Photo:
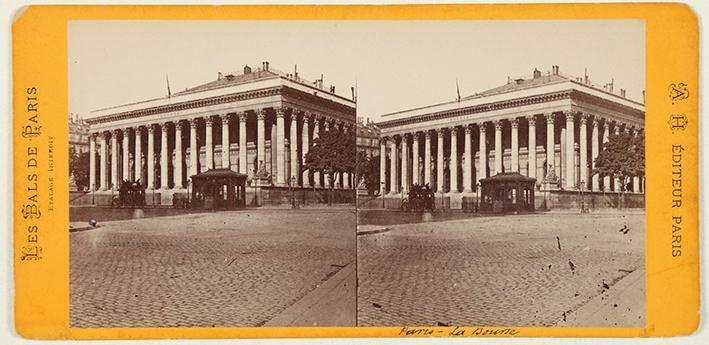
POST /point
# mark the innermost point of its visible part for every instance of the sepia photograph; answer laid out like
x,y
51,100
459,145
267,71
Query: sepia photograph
x,y
212,174
503,174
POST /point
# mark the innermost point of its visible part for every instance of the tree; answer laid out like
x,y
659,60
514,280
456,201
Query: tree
x,y
333,152
368,171
622,157
79,168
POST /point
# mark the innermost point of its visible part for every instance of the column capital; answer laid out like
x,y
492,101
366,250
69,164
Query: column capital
x,y
439,131
261,114
209,120
428,134
482,127
550,118
242,116
498,124
126,131
582,118
117,131
280,111
532,119
468,129
569,115
94,135
225,118
164,127
514,122
193,122
383,140
453,130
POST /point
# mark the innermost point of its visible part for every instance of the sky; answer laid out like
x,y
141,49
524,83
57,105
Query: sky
x,y
395,65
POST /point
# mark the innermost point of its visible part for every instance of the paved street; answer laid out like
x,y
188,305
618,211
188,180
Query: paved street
x,y
225,269
506,271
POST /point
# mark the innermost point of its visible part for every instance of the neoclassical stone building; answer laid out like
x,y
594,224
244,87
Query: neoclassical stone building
x,y
548,126
257,119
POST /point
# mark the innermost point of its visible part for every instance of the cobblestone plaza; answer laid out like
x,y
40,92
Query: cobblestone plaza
x,y
224,269
507,271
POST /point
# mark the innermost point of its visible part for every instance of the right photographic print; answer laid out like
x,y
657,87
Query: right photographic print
x,y
501,174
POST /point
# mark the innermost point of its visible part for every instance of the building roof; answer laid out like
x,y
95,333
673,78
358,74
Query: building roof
x,y
230,79
220,172
521,84
508,177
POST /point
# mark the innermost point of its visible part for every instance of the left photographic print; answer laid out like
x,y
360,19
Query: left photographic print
x,y
212,174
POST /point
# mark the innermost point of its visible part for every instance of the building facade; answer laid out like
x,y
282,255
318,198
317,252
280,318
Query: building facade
x,y
367,137
257,120
78,134
550,127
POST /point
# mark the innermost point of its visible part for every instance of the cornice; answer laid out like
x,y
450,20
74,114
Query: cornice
x,y
221,99
513,103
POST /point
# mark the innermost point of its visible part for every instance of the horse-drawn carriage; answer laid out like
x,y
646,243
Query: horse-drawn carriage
x,y
130,194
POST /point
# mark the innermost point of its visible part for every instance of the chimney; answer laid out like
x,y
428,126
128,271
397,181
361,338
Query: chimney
x,y
643,96
622,93
519,81
354,98
509,80
555,69
537,74
265,66
219,75
247,69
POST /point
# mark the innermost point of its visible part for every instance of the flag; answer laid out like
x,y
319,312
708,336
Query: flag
x,y
457,88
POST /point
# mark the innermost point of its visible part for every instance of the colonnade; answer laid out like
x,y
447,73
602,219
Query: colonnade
x,y
187,147
561,152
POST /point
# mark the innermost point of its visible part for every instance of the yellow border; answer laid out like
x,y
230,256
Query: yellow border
x,y
40,60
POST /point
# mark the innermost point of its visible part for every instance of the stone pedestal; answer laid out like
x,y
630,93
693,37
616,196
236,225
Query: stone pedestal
x,y
257,183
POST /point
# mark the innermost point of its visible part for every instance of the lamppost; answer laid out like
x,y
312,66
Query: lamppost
x,y
580,187
382,192
291,183
477,197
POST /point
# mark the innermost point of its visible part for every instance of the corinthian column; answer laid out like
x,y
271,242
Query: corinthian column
x,y
209,145
427,159
280,147
293,146
439,161
305,145
483,152
225,141
404,163
393,161
382,165
498,146
532,147
606,134
164,184
260,138
151,157
138,157
616,181
515,144
583,154
594,153
126,154
453,165
114,159
92,162
242,144
468,164
103,161
415,171
177,166
570,151
636,179
550,143
316,134
194,151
